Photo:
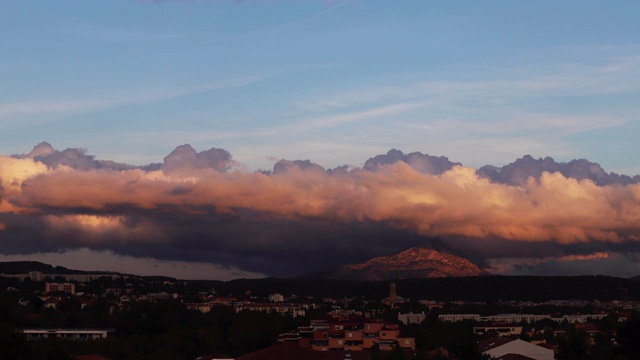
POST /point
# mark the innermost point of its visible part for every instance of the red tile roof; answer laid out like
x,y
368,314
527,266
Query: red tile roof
x,y
513,357
488,344
293,351
91,357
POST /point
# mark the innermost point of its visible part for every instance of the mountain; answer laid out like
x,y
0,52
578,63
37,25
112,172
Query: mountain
x,y
416,262
24,267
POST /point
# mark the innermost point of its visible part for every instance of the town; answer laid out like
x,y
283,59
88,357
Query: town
x,y
78,315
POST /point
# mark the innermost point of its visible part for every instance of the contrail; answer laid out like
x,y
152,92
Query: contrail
x,y
304,20
332,8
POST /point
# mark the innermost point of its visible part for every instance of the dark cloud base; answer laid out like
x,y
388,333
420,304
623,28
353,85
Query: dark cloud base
x,y
265,226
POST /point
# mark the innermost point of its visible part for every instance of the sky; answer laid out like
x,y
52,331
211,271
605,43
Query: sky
x,y
250,83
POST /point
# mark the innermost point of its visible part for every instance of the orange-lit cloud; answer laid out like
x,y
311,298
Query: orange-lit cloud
x,y
118,208
598,255
457,202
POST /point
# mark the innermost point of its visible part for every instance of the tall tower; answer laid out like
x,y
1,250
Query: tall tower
x,y
393,295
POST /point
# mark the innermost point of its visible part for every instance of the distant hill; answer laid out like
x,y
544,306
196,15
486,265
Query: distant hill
x,y
416,262
24,267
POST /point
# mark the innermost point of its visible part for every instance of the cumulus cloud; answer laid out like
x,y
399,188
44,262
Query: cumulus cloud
x,y
198,206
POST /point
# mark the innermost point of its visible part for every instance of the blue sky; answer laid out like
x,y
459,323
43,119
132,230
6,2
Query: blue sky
x,y
332,81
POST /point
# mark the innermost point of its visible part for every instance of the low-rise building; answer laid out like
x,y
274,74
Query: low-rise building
x,y
276,298
202,307
68,334
458,317
411,318
274,308
518,318
349,334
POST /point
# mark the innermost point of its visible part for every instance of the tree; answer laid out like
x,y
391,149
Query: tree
x,y
574,346
376,354
12,344
396,353
629,336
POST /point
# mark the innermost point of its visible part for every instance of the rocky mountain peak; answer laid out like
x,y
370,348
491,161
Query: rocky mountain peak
x,y
416,262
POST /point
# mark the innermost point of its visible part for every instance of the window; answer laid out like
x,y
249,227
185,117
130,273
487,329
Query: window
x,y
350,334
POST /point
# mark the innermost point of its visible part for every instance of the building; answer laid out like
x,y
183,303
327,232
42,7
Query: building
x,y
276,298
215,356
90,357
202,307
393,296
63,287
518,318
502,330
273,308
292,351
67,334
224,300
514,318
581,319
51,303
349,334
411,318
502,347
458,317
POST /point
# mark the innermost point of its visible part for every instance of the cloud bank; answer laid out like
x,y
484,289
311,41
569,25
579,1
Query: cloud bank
x,y
299,217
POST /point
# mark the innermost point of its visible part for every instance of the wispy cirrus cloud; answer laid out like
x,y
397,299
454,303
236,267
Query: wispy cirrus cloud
x,y
88,104
616,75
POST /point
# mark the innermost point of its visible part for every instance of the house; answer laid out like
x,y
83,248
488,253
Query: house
x,y
51,303
501,347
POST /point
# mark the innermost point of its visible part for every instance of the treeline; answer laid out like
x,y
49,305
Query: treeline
x,y
483,288
143,330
